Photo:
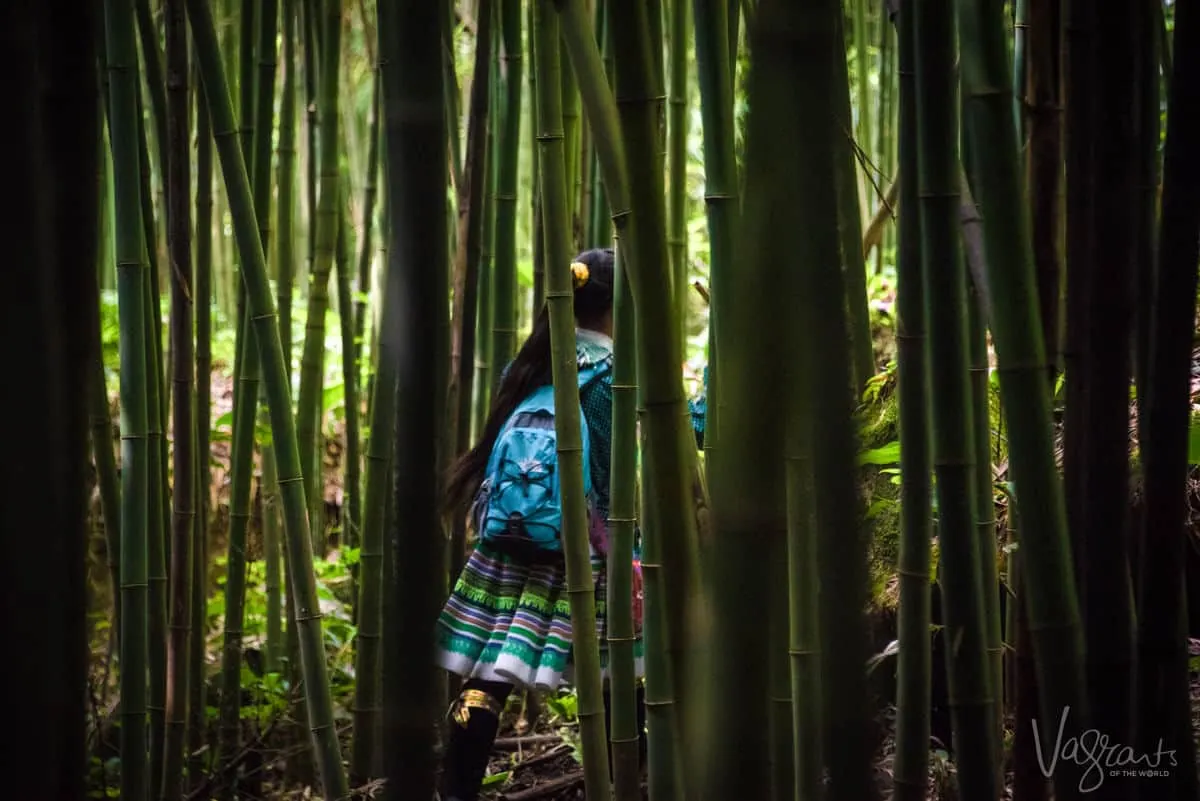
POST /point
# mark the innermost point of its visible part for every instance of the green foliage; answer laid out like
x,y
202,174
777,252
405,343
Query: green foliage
x,y
270,691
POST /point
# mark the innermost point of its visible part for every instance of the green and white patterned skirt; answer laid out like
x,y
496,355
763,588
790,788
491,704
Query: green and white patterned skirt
x,y
511,622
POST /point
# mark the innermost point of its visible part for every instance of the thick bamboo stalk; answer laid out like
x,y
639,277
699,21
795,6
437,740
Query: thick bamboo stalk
x,y
622,517
559,302
179,238
721,201
1107,598
911,767
841,537
352,508
953,453
1046,569
135,456
669,440
299,546
52,235
750,517
417,286
1162,645
368,707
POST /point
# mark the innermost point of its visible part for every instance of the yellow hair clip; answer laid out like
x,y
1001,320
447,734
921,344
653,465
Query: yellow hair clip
x,y
580,272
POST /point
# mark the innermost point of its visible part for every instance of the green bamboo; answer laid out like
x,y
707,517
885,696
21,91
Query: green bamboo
x,y
862,92
135,455
571,137
677,130
264,116
197,707
622,518
370,194
156,531
152,71
1162,646
670,449
850,223
368,708
100,416
316,683
472,210
953,452
913,692
751,516
179,240
417,274
481,387
567,422
804,644
352,508
1020,64
285,265
508,149
841,537
472,213
1054,620
312,360
600,226
242,463
985,511
669,439
721,200
539,244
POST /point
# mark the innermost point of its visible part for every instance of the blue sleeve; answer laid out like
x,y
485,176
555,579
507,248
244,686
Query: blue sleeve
x,y
698,406
596,400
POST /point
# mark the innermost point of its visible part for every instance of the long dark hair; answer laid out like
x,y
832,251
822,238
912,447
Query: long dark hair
x,y
528,371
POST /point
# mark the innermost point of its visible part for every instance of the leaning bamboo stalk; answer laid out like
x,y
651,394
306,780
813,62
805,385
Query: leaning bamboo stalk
x,y
299,546
668,437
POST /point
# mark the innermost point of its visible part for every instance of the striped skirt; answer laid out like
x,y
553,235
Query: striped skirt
x,y
511,622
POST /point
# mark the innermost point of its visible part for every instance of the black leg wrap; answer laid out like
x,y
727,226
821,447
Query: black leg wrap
x,y
474,720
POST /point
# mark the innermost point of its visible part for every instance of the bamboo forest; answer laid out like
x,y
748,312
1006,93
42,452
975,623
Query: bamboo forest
x,y
877,465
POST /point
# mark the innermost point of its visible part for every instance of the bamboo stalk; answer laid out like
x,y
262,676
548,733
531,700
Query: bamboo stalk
x,y
184,508
913,691
580,590
308,614
135,456
1046,568
417,286
623,734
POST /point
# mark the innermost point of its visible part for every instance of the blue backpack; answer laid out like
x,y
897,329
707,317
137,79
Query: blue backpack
x,y
520,502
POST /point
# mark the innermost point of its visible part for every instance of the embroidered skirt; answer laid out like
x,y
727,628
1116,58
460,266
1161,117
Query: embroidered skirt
x,y
510,621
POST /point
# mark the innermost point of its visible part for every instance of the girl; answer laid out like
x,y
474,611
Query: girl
x,y
507,623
